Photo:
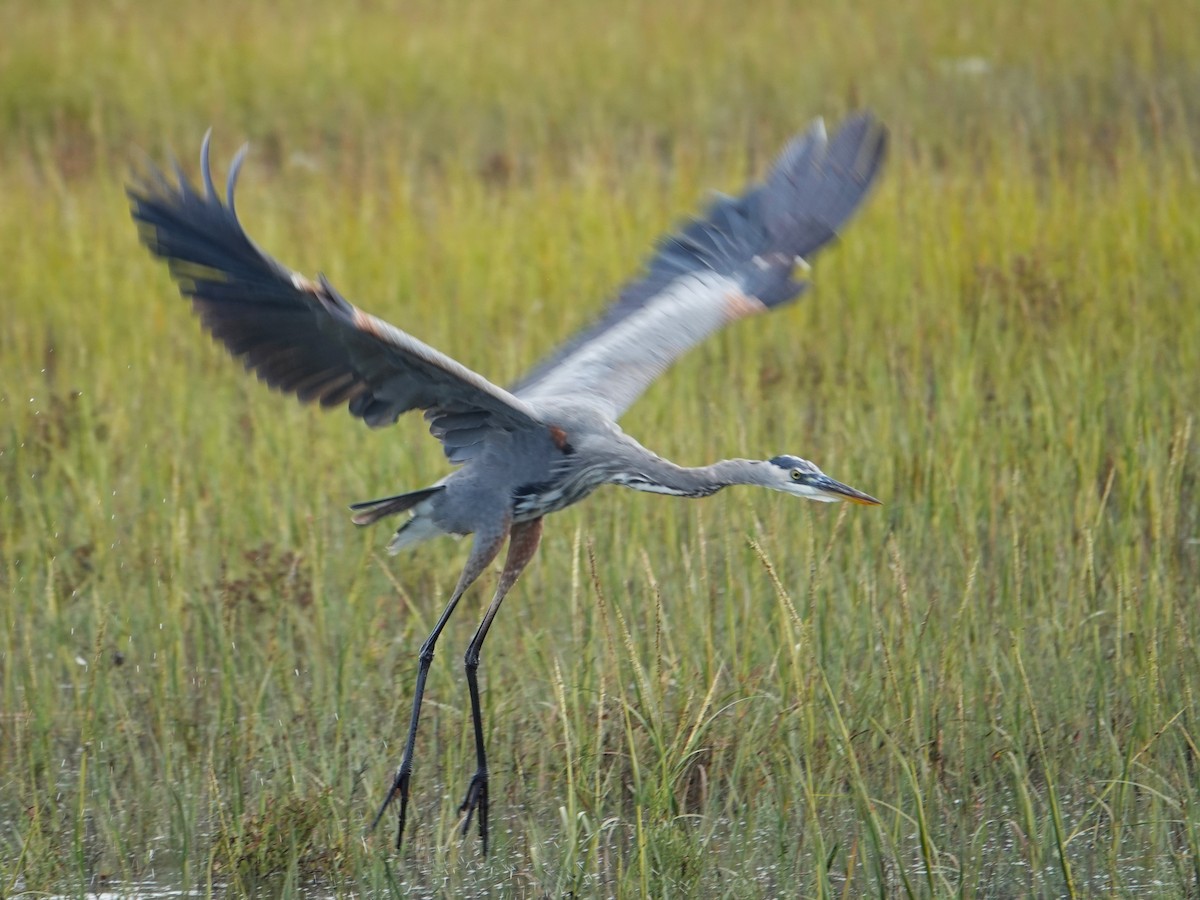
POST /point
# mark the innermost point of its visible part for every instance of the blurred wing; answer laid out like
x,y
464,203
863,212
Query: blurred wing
x,y
737,260
301,336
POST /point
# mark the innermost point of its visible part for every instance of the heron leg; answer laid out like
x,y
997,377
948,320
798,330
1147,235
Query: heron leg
x,y
483,551
523,543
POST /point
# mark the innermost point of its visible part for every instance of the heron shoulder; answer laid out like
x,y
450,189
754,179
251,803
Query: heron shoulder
x,y
576,414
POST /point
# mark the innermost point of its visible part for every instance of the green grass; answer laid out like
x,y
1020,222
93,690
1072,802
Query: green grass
x,y
985,688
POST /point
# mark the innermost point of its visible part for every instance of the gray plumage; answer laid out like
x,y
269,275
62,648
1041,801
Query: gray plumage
x,y
552,438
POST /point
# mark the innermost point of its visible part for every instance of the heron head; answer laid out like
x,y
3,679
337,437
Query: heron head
x,y
794,475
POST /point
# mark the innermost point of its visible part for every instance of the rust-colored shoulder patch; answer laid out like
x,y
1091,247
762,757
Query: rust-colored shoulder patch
x,y
300,283
560,440
366,323
739,305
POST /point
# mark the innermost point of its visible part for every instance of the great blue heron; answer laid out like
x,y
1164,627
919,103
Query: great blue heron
x,y
552,438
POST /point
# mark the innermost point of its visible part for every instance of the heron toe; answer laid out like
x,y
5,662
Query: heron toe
x,y
477,799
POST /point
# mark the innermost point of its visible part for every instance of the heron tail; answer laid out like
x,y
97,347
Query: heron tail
x,y
371,511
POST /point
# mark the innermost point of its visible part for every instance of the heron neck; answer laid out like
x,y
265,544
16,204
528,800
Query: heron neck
x,y
656,475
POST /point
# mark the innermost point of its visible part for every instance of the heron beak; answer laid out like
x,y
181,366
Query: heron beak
x,y
835,490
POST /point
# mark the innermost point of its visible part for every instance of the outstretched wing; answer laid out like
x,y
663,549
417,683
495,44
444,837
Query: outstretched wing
x,y
737,260
302,337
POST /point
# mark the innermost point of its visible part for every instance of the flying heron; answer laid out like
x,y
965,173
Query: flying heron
x,y
552,438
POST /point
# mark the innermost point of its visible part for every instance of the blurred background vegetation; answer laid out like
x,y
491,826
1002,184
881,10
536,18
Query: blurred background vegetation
x,y
986,688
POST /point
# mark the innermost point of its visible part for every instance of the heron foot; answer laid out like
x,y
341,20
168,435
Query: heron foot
x,y
399,788
477,799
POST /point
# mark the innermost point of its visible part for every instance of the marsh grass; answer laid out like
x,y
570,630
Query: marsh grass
x,y
985,688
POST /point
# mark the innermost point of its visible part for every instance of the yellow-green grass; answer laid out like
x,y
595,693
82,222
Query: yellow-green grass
x,y
985,688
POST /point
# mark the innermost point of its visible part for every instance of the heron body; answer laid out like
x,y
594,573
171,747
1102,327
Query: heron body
x,y
552,438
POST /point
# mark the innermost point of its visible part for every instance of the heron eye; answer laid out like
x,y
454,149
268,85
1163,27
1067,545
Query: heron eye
x,y
797,475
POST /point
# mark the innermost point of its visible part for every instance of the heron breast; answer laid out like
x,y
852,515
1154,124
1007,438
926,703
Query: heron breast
x,y
534,500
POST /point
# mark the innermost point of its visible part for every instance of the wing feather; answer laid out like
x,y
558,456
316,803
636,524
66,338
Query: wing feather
x,y
737,260
300,336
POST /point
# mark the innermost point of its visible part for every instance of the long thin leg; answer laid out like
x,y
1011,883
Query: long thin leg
x,y
483,551
523,543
